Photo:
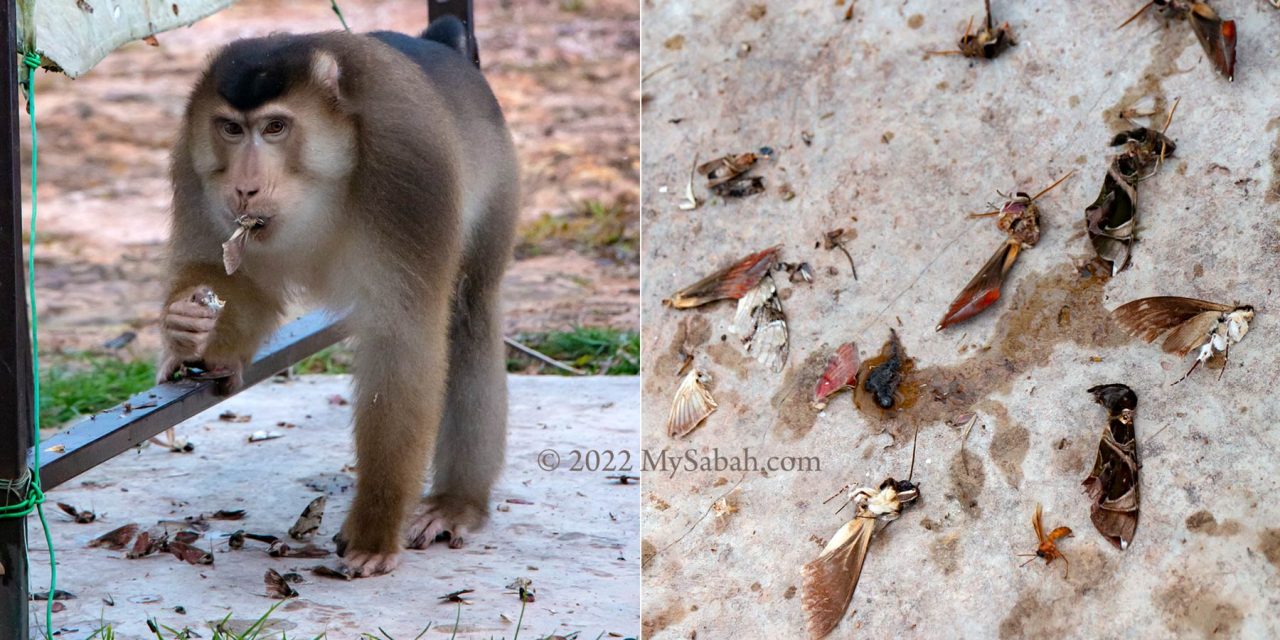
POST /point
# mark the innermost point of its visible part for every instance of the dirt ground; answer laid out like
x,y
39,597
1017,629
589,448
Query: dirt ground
x,y
565,74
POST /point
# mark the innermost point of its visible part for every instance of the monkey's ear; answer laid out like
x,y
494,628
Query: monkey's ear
x,y
326,73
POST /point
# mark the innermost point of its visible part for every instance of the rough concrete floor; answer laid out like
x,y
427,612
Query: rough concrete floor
x,y
575,534
902,147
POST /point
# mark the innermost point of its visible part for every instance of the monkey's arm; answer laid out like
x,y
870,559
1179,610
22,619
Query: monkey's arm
x,y
222,340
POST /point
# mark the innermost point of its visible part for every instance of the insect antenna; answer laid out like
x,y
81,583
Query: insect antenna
x,y
914,439
1166,128
1135,16
1051,187
1033,557
989,22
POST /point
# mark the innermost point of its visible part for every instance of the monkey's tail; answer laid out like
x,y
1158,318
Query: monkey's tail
x,y
450,32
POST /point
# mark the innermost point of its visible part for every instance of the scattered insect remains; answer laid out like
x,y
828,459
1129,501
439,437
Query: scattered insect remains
x,y
1112,220
987,43
1112,485
1020,221
1048,543
1191,324
841,373
830,580
1217,36
727,175
730,283
691,405
882,388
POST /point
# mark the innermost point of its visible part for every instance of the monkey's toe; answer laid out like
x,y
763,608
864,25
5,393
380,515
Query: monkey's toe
x,y
361,564
433,526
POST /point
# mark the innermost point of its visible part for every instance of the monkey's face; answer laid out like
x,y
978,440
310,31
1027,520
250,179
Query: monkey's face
x,y
287,162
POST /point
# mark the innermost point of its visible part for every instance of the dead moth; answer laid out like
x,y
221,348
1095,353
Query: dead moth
x,y
987,43
830,580
1048,549
1217,36
233,248
1190,323
116,539
762,325
692,404
841,372
1020,221
880,389
309,522
726,175
1112,485
80,517
277,586
1112,220
729,283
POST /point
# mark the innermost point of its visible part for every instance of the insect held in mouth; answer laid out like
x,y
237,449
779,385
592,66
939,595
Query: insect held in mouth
x,y
1217,36
1210,327
830,580
1020,220
986,43
1048,549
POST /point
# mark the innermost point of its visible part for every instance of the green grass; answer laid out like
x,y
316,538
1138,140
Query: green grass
x,y
610,231
595,350
334,359
85,384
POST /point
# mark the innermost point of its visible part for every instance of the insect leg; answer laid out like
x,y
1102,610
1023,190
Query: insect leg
x,y
1226,358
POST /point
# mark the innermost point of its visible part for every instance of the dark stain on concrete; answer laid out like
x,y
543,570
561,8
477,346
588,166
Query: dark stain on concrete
x,y
967,480
1192,609
1269,542
792,406
1203,522
1009,445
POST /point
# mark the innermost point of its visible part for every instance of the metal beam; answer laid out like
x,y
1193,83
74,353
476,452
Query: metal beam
x,y
102,436
15,342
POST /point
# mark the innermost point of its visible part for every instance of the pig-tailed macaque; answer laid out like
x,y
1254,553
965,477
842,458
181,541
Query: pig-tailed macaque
x,y
375,174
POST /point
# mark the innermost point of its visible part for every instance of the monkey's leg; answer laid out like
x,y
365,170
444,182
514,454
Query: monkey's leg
x,y
473,432
400,382
222,341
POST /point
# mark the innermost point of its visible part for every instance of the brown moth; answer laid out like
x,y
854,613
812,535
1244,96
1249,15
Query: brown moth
x,y
233,248
1217,36
1112,485
830,580
277,586
729,283
987,43
309,522
726,175
692,404
1020,221
1048,543
1112,220
1190,323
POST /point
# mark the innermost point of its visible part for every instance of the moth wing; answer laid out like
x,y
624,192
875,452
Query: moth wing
x,y
1191,334
841,371
1147,318
771,342
830,580
747,317
984,289
1036,523
1217,37
692,404
731,282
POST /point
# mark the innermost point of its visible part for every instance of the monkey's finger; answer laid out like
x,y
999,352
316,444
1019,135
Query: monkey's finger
x,y
187,344
169,365
192,309
189,323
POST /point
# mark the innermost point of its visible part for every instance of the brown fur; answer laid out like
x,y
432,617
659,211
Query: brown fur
x,y
411,241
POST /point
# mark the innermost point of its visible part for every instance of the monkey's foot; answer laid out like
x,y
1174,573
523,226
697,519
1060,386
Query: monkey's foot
x,y
360,564
443,519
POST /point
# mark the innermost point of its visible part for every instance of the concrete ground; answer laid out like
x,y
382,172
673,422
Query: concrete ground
x,y
871,135
574,534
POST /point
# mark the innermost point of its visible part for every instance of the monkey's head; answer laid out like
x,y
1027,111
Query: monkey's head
x,y
267,135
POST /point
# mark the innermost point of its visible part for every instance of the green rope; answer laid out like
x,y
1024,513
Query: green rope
x,y
28,486
334,4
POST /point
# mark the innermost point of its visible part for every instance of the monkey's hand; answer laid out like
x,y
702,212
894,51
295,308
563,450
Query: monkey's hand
x,y
187,325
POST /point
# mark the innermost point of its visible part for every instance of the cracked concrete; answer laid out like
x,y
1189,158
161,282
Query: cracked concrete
x,y
871,135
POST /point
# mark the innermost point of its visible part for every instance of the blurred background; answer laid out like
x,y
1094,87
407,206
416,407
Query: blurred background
x,y
565,72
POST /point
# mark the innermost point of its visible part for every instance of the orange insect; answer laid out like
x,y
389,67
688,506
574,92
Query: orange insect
x,y
1048,549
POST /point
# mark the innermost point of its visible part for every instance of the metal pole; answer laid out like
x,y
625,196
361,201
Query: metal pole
x,y
462,10
15,344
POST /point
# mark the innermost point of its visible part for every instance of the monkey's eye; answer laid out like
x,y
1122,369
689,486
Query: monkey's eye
x,y
274,127
232,129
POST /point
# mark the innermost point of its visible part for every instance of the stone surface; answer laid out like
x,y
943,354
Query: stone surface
x,y
902,147
574,534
